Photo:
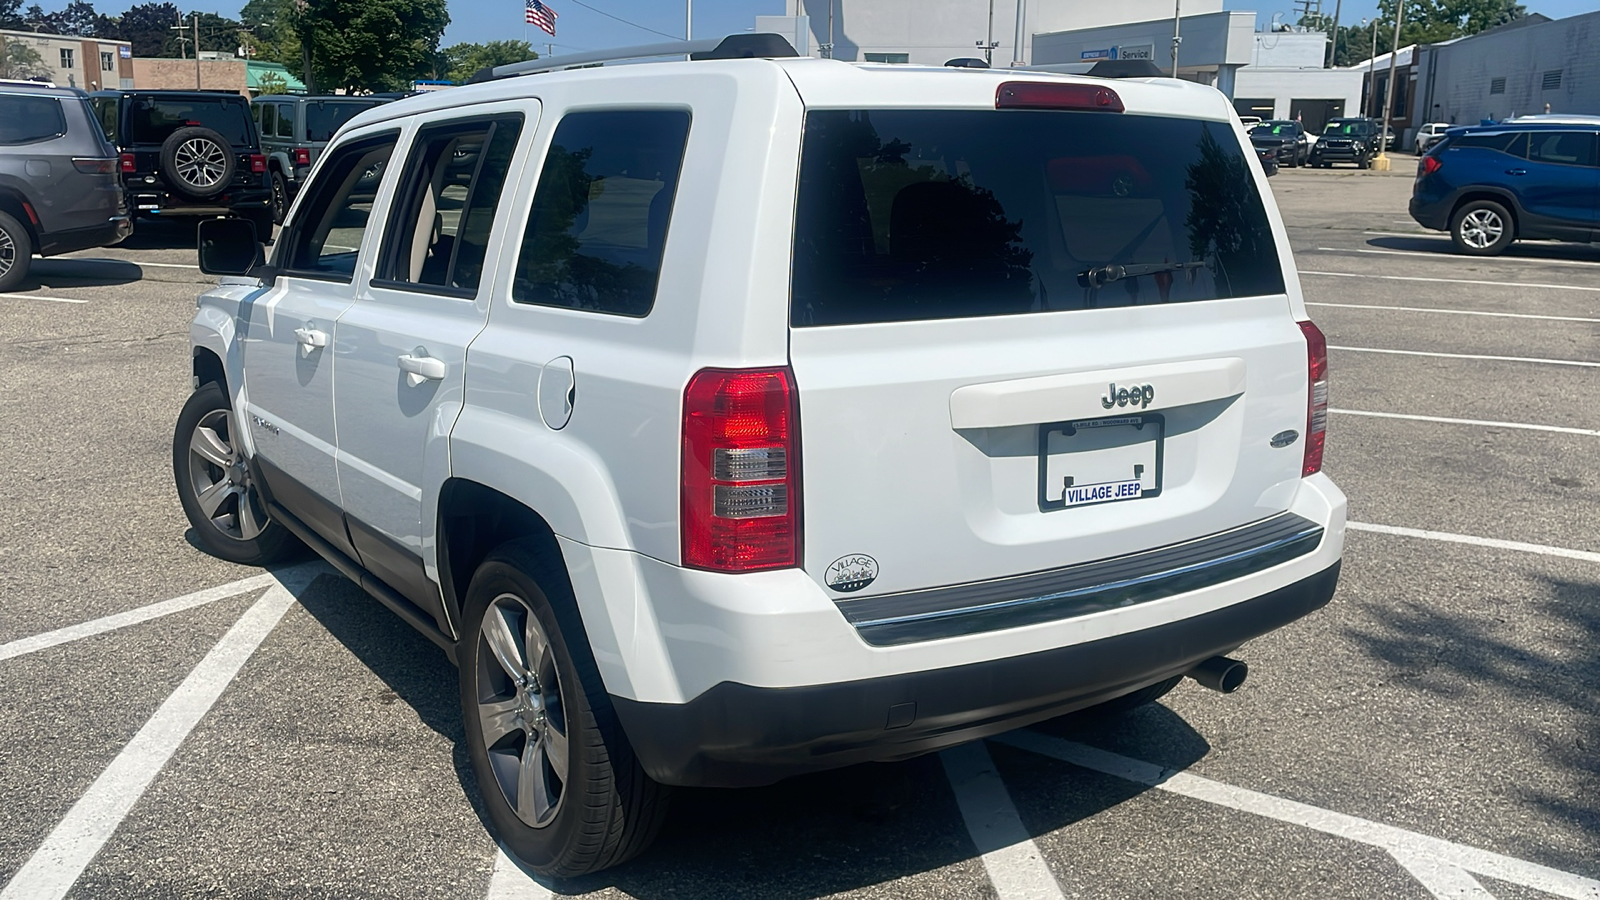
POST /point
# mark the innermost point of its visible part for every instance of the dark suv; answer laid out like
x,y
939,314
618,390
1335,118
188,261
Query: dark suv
x,y
188,153
1285,138
293,132
1346,140
58,179
1491,185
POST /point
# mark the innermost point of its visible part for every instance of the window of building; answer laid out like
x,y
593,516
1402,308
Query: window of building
x,y
1567,148
897,58
25,120
66,58
598,226
439,232
1497,85
108,62
326,235
1552,80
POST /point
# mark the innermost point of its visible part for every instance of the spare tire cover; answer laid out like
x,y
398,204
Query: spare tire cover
x,y
197,162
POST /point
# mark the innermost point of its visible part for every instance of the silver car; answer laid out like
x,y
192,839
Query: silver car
x,y
59,189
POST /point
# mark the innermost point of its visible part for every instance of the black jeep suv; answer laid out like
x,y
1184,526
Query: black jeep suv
x,y
188,153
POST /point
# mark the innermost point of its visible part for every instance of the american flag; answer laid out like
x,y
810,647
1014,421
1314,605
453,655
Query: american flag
x,y
542,16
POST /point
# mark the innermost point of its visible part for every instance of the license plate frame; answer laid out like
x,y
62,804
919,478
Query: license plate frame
x,y
1070,429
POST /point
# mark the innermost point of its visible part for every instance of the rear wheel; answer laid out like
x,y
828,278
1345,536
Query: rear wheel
x,y
280,197
1482,228
558,777
16,252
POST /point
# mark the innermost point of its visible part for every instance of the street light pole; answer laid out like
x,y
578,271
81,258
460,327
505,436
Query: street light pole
x,y
1372,75
1388,90
1020,38
1333,54
1177,38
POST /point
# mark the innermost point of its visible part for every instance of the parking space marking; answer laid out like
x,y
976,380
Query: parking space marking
x,y
1495,259
55,867
49,639
37,297
1397,841
1558,429
1475,541
1524,284
1442,881
1450,312
1016,868
509,882
1521,359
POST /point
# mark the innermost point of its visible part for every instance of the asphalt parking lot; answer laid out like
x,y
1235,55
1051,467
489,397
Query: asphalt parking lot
x,y
176,726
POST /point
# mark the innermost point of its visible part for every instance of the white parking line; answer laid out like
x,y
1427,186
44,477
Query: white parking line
x,y
55,867
1442,881
1451,312
102,625
1558,429
1518,284
1475,541
1015,866
1396,841
37,297
509,882
1521,359
1494,259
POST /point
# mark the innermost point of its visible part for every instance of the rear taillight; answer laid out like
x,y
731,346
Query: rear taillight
x,y
302,156
258,164
1431,164
1047,95
128,163
741,487
1317,398
93,165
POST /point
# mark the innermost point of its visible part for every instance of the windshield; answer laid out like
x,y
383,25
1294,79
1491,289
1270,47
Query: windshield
x,y
935,214
152,120
323,117
1274,128
1348,129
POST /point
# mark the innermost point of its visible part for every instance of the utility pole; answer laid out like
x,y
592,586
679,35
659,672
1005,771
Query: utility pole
x,y
1372,75
1388,91
1021,37
827,49
1177,37
989,41
1333,54
194,19
688,20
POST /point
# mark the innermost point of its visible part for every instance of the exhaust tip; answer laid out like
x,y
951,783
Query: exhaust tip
x,y
1220,674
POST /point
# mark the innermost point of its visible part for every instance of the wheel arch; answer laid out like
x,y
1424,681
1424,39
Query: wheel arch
x,y
14,204
1504,198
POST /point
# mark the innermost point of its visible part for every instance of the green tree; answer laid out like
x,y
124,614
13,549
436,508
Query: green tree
x,y
11,14
18,60
148,27
271,83
1425,22
271,27
459,62
371,45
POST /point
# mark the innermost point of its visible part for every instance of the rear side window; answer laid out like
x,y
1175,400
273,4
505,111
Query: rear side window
x,y
269,119
1505,142
27,120
152,120
106,110
286,120
1567,148
439,231
325,236
324,117
937,214
598,226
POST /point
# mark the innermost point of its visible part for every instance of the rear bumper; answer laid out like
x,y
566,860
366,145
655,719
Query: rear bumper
x,y
1431,213
111,232
736,735
162,204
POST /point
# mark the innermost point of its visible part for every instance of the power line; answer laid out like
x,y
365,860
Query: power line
x,y
602,12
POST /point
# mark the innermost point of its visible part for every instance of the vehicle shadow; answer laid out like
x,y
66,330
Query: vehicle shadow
x,y
67,272
1441,244
810,836
1455,657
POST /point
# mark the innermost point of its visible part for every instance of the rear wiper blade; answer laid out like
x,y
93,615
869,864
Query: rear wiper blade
x,y
1100,276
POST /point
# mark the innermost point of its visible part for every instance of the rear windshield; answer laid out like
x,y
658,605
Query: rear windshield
x,y
937,214
324,117
151,120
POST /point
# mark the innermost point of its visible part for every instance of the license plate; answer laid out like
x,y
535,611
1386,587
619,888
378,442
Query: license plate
x,y
1094,461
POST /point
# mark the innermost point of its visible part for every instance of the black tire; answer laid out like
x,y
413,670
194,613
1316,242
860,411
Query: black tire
x,y
1482,228
280,197
1129,702
198,162
16,252
237,528
604,810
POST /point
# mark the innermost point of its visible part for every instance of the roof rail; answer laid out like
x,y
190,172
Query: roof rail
x,y
734,46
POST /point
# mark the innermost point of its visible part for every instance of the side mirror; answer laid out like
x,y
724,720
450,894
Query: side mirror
x,y
230,247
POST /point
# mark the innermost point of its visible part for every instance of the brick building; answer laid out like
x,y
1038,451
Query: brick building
x,y
80,62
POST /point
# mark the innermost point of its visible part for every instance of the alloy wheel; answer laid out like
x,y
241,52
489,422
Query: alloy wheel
x,y
8,252
1481,228
521,710
200,163
221,479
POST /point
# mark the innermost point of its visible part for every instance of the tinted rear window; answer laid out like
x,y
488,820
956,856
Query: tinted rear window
x,y
323,117
152,120
935,214
1502,141
24,120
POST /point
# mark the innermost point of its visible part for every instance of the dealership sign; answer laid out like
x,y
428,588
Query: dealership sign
x,y
1139,51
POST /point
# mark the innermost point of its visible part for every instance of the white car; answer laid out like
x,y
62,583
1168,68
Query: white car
x,y
1429,134
731,419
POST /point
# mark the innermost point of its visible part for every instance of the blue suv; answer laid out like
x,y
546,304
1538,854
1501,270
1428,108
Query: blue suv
x,y
1493,184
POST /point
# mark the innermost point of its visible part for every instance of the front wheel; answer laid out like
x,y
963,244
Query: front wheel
x,y
216,487
1482,228
558,777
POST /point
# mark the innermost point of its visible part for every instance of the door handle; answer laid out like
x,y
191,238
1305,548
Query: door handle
x,y
310,339
1516,171
420,367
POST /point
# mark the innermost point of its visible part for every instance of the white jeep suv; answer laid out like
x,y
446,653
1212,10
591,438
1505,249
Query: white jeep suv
x,y
742,417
